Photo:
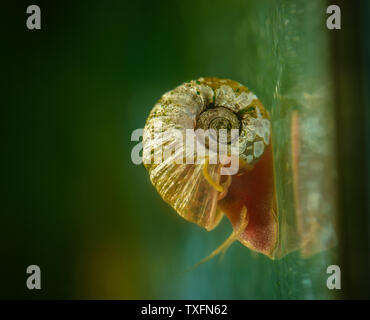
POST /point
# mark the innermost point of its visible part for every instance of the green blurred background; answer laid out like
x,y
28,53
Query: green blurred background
x,y
76,205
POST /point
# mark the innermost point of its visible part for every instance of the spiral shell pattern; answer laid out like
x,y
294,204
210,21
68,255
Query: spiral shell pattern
x,y
206,103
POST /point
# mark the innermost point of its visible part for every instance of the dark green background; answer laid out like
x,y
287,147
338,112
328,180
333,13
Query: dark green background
x,y
76,205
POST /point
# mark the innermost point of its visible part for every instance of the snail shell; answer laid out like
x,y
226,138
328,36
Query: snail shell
x,y
200,193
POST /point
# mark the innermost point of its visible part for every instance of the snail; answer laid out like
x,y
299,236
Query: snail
x,y
195,186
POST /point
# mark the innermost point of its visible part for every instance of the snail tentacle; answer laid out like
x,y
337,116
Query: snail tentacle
x,y
225,186
209,179
243,223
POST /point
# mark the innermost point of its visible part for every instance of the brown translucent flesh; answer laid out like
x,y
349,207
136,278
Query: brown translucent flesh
x,y
255,189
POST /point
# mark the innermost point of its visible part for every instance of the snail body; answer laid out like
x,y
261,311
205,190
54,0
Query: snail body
x,y
198,189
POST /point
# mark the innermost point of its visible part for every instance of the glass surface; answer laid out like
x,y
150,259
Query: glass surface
x,y
90,218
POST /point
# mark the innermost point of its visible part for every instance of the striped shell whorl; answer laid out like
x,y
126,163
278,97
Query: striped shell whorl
x,y
207,103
